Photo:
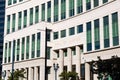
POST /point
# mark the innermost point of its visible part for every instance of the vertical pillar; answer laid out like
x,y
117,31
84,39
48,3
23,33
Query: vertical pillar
x,y
35,73
67,9
93,41
101,34
52,8
84,5
59,10
69,53
42,72
75,6
35,45
110,30
78,62
30,75
25,74
20,50
87,71
61,63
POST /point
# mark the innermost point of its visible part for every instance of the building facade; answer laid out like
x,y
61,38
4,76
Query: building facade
x,y
2,14
77,32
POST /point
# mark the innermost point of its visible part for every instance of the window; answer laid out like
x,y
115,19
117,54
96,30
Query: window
x,y
88,4
48,35
73,51
27,47
9,2
38,44
48,70
89,36
65,68
104,1
33,46
73,68
5,54
79,6
48,52
23,48
31,16
71,7
36,14
63,9
43,12
96,3
96,34
13,22
106,31
65,52
58,55
71,31
18,49
79,28
14,1
8,24
49,11
20,0
82,70
9,52
115,32
19,20
63,33
56,9
25,18
55,35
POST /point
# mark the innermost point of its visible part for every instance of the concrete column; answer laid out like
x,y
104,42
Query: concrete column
x,y
92,4
69,53
42,72
75,6
95,77
78,62
87,71
59,10
35,73
52,5
67,9
60,62
30,75
16,22
84,5
20,50
25,74
110,30
101,34
46,12
93,41
100,2
28,18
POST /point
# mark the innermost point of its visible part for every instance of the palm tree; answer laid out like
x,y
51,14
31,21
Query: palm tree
x,y
17,74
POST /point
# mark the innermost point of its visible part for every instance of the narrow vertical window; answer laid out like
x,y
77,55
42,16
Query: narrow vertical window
x,y
80,28
23,48
96,3
18,49
48,52
19,20
38,44
9,52
9,2
27,47
88,4
13,22
8,24
25,18
63,33
36,14
71,7
56,10
115,29
33,46
106,31
96,34
63,9
89,36
49,11
43,12
55,35
73,51
65,52
79,6
5,53
31,16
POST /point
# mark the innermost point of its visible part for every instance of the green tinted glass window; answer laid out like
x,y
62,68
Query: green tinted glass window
x,y
63,9
33,46
14,1
55,35
38,44
72,31
49,11
31,16
79,6
25,18
48,52
88,4
104,1
27,47
9,52
43,12
18,49
9,2
5,53
8,24
71,7
96,3
13,22
63,33
56,9
115,32
36,14
23,48
19,20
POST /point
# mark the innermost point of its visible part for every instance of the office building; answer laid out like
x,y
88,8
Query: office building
x,y
77,32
